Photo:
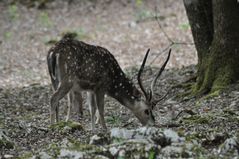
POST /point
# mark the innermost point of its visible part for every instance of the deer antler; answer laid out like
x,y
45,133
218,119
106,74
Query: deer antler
x,y
139,75
151,91
157,76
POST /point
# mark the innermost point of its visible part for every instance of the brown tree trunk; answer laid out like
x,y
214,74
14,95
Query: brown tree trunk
x,y
215,29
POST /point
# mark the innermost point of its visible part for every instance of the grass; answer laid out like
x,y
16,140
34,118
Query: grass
x,y
7,35
45,20
113,120
13,12
152,154
198,119
64,127
184,26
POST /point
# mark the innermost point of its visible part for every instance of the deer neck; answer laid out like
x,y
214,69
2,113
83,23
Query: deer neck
x,y
122,90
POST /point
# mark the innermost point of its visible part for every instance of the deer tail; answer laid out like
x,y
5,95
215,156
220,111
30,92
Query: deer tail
x,y
51,63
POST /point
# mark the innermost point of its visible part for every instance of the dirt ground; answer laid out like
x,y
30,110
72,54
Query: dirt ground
x,y
123,27
126,30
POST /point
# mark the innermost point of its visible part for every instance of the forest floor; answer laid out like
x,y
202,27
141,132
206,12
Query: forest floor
x,y
209,122
126,29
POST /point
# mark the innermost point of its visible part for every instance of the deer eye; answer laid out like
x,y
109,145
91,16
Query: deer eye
x,y
146,112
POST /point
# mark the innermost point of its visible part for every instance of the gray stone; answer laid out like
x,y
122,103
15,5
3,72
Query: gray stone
x,y
230,145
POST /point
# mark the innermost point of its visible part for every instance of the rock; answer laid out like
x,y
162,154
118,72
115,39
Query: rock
x,y
6,156
181,150
99,139
134,149
173,136
230,145
132,24
151,134
172,151
64,153
44,155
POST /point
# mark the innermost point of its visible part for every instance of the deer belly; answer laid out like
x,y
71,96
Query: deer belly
x,y
83,85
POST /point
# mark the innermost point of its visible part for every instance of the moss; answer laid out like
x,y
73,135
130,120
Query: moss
x,y
152,154
54,150
197,119
4,143
213,94
230,115
117,140
77,146
113,120
26,155
218,68
195,136
51,41
199,151
64,126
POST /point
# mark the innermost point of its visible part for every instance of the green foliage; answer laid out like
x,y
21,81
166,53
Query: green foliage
x,y
213,94
13,12
7,35
26,155
197,119
139,2
143,14
64,127
152,154
5,143
77,146
45,20
184,26
54,150
81,33
113,120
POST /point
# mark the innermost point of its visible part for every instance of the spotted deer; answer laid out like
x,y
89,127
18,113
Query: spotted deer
x,y
75,99
83,67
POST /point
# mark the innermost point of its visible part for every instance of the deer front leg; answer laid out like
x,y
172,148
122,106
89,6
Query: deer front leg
x,y
75,102
69,105
92,106
97,117
100,105
61,91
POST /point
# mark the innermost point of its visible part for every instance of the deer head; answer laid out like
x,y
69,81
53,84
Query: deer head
x,y
145,106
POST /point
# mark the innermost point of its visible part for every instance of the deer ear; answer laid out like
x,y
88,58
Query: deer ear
x,y
136,93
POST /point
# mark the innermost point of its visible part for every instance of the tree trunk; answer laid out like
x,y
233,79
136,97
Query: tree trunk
x,y
215,29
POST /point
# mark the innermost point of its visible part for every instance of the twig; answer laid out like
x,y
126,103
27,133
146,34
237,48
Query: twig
x,y
190,112
160,53
172,42
169,125
128,123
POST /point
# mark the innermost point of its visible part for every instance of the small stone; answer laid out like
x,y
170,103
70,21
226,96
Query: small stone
x,y
99,139
229,145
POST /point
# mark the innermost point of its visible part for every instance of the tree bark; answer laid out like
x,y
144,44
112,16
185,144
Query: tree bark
x,y
215,30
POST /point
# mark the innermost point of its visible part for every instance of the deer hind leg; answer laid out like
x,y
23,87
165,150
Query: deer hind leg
x,y
100,106
92,106
61,91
